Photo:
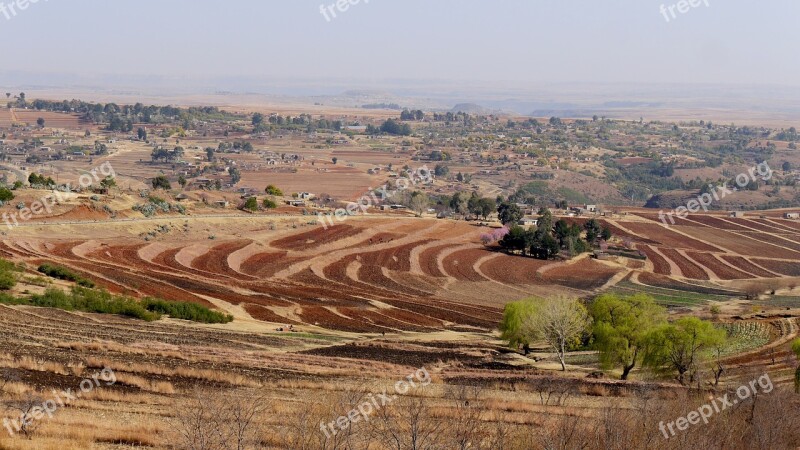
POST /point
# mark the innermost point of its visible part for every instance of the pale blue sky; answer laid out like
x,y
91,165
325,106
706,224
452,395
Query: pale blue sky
x,y
732,41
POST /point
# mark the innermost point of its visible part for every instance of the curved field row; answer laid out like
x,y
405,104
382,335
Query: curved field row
x,y
265,314
660,281
759,225
616,230
788,268
215,261
660,265
267,264
459,264
690,269
747,266
587,274
324,317
791,224
509,269
720,269
429,260
775,240
668,238
316,237
738,244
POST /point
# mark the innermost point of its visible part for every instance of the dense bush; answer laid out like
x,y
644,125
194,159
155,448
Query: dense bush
x,y
185,311
6,195
7,277
97,301
62,273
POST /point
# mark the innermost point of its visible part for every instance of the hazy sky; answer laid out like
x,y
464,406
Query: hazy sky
x,y
730,41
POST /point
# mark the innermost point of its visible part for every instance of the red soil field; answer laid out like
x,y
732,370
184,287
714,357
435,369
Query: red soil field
x,y
267,315
459,264
660,265
587,274
721,270
773,240
513,269
618,232
267,264
320,316
689,269
677,220
716,222
215,261
660,281
428,260
788,268
757,225
739,244
778,227
669,238
747,266
794,225
316,237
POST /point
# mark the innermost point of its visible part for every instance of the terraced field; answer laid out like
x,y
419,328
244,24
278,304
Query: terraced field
x,y
715,249
381,275
368,276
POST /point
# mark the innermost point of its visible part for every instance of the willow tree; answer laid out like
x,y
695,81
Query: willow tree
x,y
621,327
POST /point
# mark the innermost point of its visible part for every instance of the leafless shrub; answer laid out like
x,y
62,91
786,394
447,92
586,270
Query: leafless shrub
x,y
219,421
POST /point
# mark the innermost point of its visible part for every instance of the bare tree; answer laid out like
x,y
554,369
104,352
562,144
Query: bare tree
x,y
408,424
559,322
28,407
466,427
211,421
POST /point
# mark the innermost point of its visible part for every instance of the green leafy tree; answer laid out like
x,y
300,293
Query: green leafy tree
x,y
509,213
678,347
161,182
593,231
40,121
108,182
258,119
182,181
274,191
796,350
516,240
236,175
515,314
621,327
6,195
251,204
268,203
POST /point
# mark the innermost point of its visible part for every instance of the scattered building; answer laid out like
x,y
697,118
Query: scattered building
x,y
791,215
